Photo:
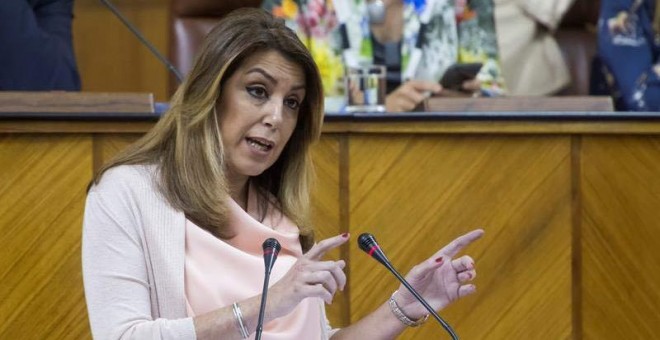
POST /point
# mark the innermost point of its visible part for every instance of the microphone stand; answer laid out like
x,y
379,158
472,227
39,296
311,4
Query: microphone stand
x,y
144,40
262,308
368,244
419,298
271,248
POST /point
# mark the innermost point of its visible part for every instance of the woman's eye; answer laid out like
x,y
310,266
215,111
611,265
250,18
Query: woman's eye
x,y
257,91
292,103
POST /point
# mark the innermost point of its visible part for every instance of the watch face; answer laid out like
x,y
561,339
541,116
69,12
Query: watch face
x,y
376,11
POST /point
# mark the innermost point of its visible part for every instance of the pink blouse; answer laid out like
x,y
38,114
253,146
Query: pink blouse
x,y
221,272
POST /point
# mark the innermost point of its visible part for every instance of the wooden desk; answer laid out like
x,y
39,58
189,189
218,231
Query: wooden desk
x,y
570,205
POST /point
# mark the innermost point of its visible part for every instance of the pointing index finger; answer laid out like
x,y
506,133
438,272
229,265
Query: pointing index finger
x,y
455,246
319,249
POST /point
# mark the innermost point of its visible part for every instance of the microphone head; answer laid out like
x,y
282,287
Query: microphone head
x,y
366,241
368,244
271,249
271,246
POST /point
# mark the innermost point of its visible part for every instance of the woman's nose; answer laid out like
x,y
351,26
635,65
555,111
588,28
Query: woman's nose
x,y
273,115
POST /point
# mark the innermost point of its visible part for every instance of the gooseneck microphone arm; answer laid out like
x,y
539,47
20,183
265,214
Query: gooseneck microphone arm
x,y
271,249
144,40
368,244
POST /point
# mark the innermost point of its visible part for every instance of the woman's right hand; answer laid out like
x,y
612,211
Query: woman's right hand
x,y
410,94
310,277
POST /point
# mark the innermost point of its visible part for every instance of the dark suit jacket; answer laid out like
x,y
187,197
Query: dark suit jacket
x,y
36,48
629,50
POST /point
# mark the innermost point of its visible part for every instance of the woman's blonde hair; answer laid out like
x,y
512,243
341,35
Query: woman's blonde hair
x,y
186,144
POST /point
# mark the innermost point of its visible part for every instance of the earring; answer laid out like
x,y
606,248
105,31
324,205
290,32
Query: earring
x,y
376,11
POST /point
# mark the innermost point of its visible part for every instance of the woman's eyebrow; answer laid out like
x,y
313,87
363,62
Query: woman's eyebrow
x,y
271,78
263,73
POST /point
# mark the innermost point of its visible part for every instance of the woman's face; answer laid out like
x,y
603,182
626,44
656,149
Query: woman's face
x,y
258,111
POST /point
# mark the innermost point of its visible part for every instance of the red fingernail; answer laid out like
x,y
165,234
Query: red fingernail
x,y
439,260
344,235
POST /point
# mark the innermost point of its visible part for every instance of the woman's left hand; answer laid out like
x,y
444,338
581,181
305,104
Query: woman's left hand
x,y
441,279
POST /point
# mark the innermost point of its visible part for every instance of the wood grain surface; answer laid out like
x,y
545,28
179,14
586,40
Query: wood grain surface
x,y
570,218
518,104
326,209
621,237
42,194
110,58
76,102
418,193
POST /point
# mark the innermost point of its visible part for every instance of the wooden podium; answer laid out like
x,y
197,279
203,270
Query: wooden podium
x,y
59,103
569,205
519,104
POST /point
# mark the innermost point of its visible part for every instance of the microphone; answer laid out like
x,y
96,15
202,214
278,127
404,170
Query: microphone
x,y
368,244
271,249
143,40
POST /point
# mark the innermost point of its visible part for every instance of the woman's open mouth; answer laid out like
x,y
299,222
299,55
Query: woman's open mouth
x,y
260,143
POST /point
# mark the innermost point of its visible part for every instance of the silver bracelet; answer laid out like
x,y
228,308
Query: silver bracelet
x,y
239,318
402,317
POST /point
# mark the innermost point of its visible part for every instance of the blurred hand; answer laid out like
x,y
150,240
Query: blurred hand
x,y
310,277
440,279
472,85
410,94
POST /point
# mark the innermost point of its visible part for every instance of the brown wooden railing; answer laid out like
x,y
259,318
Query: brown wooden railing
x,y
570,205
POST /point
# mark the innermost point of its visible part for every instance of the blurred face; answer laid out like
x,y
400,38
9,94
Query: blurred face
x,y
258,111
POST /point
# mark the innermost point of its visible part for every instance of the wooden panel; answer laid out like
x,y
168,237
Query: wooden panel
x,y
75,102
110,58
621,235
523,127
72,126
326,213
108,145
415,189
519,104
481,126
42,193
416,193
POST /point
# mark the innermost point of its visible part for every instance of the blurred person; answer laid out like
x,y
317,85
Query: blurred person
x,y
37,47
532,62
386,33
628,63
174,225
